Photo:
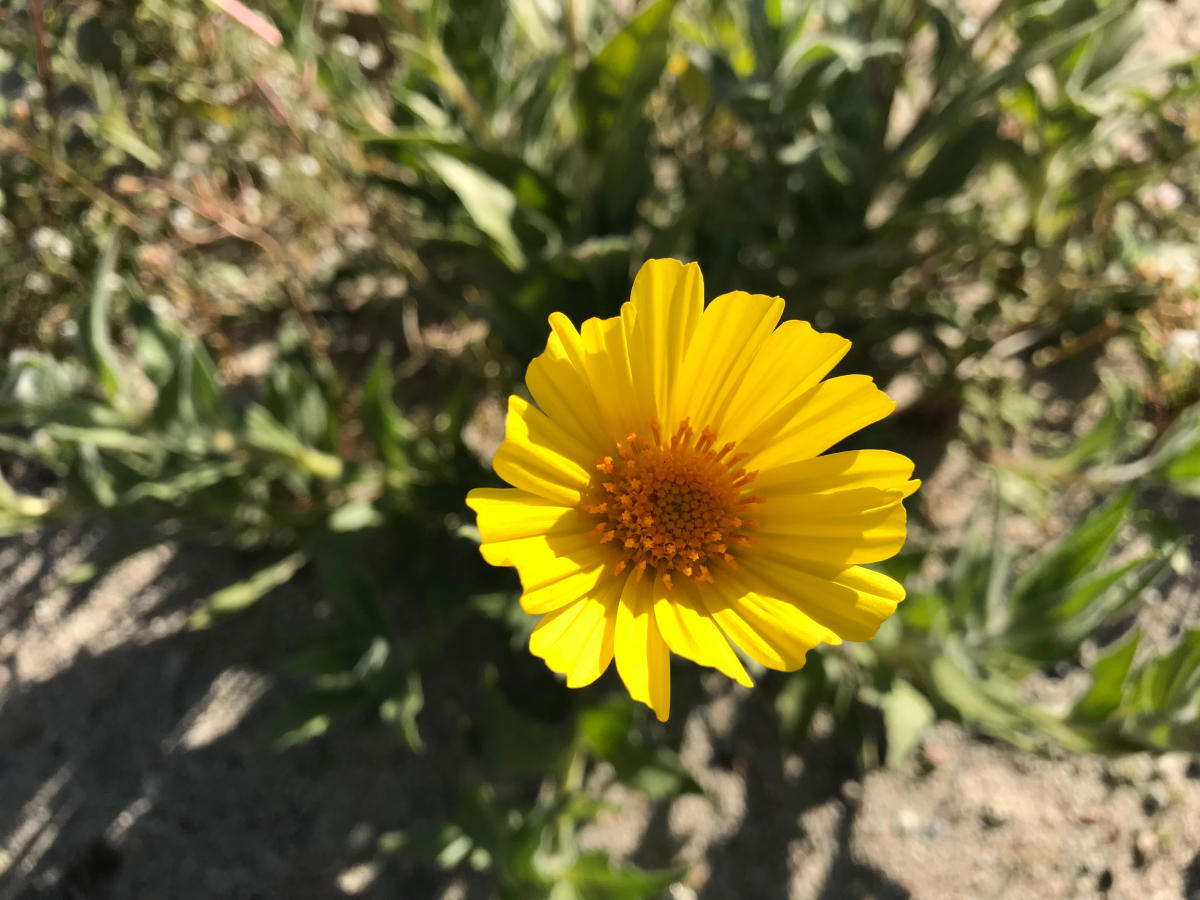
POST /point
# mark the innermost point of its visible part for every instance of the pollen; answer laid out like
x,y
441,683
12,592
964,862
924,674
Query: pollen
x,y
673,508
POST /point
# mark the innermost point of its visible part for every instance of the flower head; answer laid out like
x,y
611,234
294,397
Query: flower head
x,y
669,493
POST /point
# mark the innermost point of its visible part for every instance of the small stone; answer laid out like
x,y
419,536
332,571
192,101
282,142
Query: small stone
x,y
1145,848
992,818
1090,815
1172,767
907,822
935,755
935,828
1155,799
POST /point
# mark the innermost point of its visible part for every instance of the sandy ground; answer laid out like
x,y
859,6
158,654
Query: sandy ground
x,y
132,766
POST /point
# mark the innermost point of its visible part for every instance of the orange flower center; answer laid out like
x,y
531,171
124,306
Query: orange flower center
x,y
676,506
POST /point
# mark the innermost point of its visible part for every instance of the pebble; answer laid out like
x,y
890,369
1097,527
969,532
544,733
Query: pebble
x,y
1145,848
907,822
1155,799
992,818
1090,815
1172,767
935,755
935,828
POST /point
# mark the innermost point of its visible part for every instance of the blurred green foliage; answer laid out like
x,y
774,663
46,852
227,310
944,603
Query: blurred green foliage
x,y
268,299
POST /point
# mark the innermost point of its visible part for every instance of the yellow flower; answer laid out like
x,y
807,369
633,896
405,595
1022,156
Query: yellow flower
x,y
668,492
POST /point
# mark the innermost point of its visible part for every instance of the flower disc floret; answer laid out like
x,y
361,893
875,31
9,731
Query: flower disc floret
x,y
675,507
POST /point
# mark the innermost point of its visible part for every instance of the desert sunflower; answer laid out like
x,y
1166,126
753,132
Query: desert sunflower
x,y
669,493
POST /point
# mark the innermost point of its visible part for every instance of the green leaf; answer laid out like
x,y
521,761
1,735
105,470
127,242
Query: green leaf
x,y
967,695
1077,553
610,731
654,770
1108,678
598,878
356,515
176,488
995,706
1055,630
191,395
95,343
1110,436
242,594
906,715
1183,472
1169,683
352,595
385,425
514,744
446,845
310,716
489,203
605,728
626,61
401,711
1177,455
799,699
263,432
614,85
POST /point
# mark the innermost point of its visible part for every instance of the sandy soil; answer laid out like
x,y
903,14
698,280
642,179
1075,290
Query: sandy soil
x,y
132,766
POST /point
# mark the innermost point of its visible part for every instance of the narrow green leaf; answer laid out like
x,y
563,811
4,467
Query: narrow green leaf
x,y
385,425
264,433
598,878
1108,678
1058,628
356,515
95,343
401,711
352,595
243,593
1076,553
310,716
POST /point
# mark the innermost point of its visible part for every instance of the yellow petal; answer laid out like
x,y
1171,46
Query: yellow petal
x,y
841,528
851,602
577,641
557,557
664,309
605,359
776,634
558,383
730,333
791,361
540,456
558,568
815,421
549,583
689,630
839,471
643,661
509,514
